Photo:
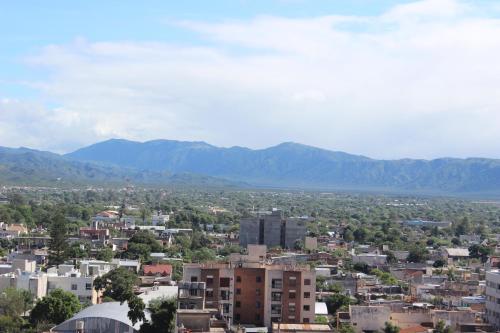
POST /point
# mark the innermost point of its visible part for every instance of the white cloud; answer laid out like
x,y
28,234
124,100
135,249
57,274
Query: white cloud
x,y
420,80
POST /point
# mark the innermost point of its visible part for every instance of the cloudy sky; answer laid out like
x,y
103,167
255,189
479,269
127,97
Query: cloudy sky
x,y
387,79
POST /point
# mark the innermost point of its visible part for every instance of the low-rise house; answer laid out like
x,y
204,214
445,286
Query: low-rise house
x,y
454,255
163,270
371,259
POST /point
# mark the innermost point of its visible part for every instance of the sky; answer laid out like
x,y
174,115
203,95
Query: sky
x,y
385,79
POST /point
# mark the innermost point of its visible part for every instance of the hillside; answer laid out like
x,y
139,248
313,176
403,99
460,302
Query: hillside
x,y
36,168
300,166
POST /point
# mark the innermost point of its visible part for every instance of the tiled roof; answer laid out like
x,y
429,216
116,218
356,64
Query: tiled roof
x,y
162,269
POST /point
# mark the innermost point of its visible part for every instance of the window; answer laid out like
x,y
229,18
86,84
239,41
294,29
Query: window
x,y
224,282
238,291
275,309
276,283
307,282
224,295
307,294
238,278
257,305
74,287
209,293
292,281
291,308
237,304
306,320
88,286
276,297
210,281
258,279
257,317
194,279
237,317
306,307
257,292
291,295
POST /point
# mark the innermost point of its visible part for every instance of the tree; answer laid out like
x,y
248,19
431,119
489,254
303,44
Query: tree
x,y
162,316
360,234
442,328
117,284
55,308
418,253
390,328
480,252
138,251
105,254
77,250
336,302
136,309
12,302
203,255
348,236
58,245
298,245
346,328
439,263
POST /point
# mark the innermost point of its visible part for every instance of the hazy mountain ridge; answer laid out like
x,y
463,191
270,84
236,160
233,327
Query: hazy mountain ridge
x,y
25,166
296,165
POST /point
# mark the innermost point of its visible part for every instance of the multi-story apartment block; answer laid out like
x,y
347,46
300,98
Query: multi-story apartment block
x,y
493,298
67,278
257,293
272,229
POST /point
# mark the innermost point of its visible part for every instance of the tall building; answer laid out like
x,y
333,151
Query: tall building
x,y
272,229
256,293
493,298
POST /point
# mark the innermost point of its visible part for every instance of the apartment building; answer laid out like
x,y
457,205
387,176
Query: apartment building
x,y
493,298
272,229
257,293
67,278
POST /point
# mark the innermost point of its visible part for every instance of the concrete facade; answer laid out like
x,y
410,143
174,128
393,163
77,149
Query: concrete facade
x,y
272,230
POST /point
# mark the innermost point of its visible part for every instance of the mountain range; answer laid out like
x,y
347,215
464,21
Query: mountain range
x,y
287,165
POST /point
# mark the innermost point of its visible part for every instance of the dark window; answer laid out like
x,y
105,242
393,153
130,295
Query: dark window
x,y
258,279
306,307
257,305
88,286
276,297
307,295
224,282
276,283
194,279
257,317
306,320
237,317
210,281
238,278
307,282
237,304
257,292
238,291
292,282
291,295
209,293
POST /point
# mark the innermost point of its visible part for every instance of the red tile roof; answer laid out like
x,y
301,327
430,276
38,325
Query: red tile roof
x,y
160,269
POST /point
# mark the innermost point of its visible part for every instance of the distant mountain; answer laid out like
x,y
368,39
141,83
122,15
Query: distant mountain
x,y
25,166
299,166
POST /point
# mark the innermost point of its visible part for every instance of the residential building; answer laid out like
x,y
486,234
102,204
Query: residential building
x,y
272,229
257,293
493,298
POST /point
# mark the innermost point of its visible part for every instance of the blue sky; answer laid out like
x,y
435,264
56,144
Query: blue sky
x,y
388,79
